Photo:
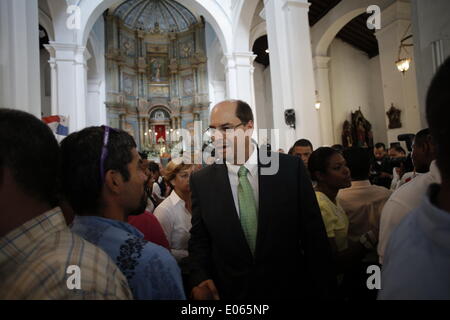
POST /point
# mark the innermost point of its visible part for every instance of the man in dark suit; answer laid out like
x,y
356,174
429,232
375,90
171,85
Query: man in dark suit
x,y
257,233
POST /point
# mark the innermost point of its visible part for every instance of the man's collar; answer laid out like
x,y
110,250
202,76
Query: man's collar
x,y
24,238
96,220
360,183
252,162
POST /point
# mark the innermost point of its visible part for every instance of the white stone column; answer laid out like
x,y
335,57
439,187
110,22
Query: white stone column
x,y
147,137
71,82
93,109
53,79
230,76
292,72
399,89
19,56
239,79
141,127
219,92
431,32
321,71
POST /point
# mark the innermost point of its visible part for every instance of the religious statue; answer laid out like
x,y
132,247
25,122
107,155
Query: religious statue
x,y
127,47
347,140
156,29
159,115
156,70
394,117
140,25
162,146
173,66
186,50
361,131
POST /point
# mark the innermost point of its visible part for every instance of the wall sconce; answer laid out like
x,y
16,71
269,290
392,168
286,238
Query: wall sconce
x,y
404,63
318,103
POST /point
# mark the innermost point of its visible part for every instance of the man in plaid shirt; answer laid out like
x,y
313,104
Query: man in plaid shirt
x,y
40,258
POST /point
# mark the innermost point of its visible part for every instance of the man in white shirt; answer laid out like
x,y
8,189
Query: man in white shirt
x,y
362,202
157,193
417,260
409,196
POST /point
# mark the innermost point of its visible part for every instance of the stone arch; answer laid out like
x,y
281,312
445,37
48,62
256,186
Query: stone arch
x,y
157,106
322,35
241,29
258,31
213,13
217,67
324,31
46,22
93,71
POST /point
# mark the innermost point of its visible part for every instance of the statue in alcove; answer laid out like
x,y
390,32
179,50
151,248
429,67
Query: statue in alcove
x,y
347,140
156,29
156,70
394,117
361,130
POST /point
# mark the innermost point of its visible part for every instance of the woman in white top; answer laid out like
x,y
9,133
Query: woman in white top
x,y
174,213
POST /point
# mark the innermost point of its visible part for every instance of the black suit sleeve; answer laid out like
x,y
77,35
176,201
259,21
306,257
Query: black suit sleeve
x,y
314,241
199,242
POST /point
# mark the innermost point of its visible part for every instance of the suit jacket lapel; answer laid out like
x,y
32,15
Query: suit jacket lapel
x,y
265,202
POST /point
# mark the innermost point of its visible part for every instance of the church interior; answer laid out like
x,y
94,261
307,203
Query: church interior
x,y
154,67
349,97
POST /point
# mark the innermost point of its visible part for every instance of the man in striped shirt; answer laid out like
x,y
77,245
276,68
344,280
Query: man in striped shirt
x,y
40,258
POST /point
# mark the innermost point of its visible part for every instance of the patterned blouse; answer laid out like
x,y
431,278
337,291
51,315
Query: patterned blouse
x,y
151,271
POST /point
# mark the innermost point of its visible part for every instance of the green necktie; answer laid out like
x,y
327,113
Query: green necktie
x,y
247,208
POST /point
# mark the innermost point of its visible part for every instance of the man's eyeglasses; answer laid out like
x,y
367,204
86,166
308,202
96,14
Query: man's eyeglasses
x,y
104,151
223,129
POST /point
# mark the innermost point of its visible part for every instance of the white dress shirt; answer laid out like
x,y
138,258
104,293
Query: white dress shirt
x,y
150,206
252,166
397,182
175,220
402,201
362,203
157,190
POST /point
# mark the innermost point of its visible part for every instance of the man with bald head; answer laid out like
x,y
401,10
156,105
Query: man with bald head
x,y
255,234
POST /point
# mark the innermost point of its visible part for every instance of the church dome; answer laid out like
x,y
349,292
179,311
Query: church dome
x,y
157,16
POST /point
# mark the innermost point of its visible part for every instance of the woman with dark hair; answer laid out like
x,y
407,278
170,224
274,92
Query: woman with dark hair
x,y
329,169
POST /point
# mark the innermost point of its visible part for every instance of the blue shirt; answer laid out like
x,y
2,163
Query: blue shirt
x,y
417,260
151,271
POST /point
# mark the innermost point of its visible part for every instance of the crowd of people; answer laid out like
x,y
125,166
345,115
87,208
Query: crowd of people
x,y
223,230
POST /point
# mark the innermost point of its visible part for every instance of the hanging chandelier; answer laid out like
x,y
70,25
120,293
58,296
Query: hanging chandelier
x,y
403,63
